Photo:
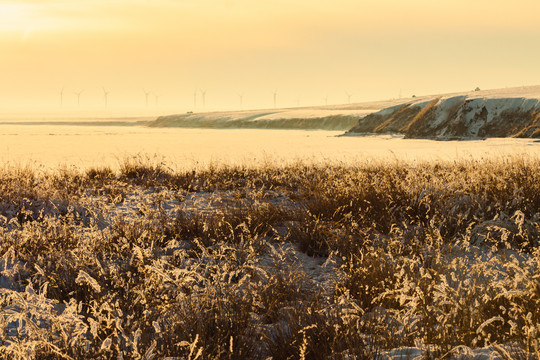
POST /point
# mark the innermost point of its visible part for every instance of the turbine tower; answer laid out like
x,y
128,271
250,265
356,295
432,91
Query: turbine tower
x,y
62,97
203,94
105,96
146,93
325,100
275,98
348,96
78,94
241,96
195,98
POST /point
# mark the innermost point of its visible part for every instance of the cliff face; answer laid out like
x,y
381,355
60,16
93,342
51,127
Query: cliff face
x,y
457,117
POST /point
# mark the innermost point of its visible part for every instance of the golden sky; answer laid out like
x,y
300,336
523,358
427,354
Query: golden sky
x,y
305,50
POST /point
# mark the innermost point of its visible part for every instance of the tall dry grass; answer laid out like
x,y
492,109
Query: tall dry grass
x,y
283,262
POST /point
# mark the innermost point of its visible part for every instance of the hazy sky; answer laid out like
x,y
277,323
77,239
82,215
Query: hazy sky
x,y
306,50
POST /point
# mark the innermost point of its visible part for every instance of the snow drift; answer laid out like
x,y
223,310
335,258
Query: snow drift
x,y
503,113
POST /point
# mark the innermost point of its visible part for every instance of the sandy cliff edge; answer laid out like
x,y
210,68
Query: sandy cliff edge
x,y
481,114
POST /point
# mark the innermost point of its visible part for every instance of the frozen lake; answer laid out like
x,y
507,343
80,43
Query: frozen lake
x,y
59,144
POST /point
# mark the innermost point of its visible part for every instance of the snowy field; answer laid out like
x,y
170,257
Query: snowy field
x,y
86,146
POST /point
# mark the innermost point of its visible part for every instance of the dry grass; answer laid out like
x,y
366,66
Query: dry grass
x,y
288,262
419,123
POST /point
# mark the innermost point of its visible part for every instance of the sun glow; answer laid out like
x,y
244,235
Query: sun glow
x,y
52,17
308,50
13,17
23,19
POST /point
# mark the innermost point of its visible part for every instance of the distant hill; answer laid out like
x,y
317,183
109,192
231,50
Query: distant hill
x,y
511,112
323,118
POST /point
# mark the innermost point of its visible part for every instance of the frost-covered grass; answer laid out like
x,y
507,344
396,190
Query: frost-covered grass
x,y
378,260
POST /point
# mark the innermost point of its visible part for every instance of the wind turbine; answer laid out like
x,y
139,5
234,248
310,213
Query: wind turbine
x,y
203,93
241,96
195,98
146,93
62,97
325,100
105,95
348,96
275,98
78,94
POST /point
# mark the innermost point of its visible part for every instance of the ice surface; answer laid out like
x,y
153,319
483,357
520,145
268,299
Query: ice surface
x,y
84,146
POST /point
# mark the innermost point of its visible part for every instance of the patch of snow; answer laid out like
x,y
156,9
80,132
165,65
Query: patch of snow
x,y
10,269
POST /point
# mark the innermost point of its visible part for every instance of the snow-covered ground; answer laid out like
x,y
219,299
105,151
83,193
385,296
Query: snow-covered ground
x,y
319,271
84,146
301,118
330,117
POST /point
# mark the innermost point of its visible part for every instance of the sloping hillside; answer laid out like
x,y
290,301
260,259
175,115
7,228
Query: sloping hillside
x,y
330,117
495,113
325,118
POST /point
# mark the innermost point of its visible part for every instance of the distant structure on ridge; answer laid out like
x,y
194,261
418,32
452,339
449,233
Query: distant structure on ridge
x,y
62,97
241,96
203,93
146,93
78,94
105,95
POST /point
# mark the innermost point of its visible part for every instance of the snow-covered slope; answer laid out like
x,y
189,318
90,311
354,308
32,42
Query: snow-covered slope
x,y
495,113
513,112
330,117
304,118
